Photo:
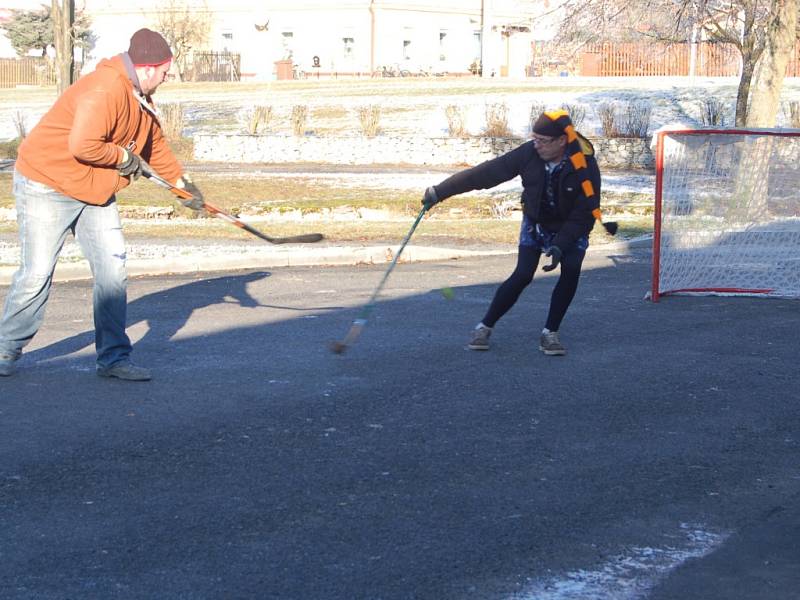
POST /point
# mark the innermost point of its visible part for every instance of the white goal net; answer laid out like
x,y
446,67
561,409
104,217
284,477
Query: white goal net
x,y
727,213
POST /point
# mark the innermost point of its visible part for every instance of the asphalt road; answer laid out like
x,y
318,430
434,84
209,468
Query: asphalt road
x,y
659,459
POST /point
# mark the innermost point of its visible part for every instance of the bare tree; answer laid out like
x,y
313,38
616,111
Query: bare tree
x,y
185,28
763,31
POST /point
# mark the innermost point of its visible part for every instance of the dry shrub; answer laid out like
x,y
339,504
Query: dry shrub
x,y
577,112
537,108
607,114
258,117
632,120
497,120
8,150
369,117
172,119
636,119
713,112
20,124
456,121
791,111
299,119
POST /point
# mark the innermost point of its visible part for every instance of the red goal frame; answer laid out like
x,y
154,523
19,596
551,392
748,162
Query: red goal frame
x,y
655,293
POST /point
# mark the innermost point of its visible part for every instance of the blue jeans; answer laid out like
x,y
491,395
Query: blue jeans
x,y
45,217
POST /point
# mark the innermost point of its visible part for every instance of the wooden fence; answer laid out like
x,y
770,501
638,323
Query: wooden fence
x,y
30,70
620,59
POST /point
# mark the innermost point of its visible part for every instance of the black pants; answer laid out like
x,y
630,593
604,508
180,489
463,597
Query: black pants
x,y
563,293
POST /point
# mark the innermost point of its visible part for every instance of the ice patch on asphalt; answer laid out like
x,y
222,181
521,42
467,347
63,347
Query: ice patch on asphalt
x,y
627,576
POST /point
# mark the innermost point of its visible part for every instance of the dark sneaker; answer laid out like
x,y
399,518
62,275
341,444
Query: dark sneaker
x,y
480,338
7,366
125,370
551,345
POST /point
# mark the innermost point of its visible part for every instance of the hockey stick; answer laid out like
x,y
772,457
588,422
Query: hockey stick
x,y
363,315
307,238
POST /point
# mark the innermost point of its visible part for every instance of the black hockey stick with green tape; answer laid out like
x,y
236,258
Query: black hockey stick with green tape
x,y
361,320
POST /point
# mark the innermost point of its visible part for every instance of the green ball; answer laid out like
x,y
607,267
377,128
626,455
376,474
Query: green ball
x,y
447,293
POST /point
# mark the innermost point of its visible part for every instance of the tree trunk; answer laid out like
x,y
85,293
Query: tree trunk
x,y
771,67
743,92
765,100
63,17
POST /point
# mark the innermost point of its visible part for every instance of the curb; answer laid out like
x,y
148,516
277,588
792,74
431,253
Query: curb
x,y
287,256
198,262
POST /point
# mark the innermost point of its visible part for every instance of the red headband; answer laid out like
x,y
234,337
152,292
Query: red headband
x,y
163,62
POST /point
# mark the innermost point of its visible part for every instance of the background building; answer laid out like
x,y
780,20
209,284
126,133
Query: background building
x,y
344,36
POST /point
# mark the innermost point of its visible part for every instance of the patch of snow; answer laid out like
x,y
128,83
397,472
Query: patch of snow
x,y
628,576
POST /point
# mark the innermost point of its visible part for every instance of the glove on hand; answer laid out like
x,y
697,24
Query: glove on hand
x,y
131,165
430,198
196,203
555,253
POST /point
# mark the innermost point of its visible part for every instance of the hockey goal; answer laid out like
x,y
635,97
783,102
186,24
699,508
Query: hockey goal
x,y
727,213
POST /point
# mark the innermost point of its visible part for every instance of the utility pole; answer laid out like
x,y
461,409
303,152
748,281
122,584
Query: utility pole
x,y
487,56
62,13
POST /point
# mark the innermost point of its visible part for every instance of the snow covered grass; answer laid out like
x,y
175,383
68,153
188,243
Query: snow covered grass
x,y
415,105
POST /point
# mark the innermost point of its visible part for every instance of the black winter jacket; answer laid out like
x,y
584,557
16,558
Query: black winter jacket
x,y
574,208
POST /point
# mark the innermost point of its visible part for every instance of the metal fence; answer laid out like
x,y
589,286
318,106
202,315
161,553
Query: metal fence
x,y
214,66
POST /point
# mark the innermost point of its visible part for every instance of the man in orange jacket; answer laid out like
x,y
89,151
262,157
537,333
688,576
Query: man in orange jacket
x,y
87,147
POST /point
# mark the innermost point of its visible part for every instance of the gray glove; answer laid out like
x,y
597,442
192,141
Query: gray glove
x,y
555,253
196,203
429,199
131,165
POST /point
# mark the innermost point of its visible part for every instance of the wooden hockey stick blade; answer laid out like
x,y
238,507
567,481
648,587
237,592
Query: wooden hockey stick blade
x,y
308,238
361,321
350,338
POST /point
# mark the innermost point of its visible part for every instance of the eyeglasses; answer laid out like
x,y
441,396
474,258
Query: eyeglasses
x,y
541,141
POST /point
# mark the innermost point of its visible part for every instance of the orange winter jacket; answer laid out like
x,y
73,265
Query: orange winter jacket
x,y
77,144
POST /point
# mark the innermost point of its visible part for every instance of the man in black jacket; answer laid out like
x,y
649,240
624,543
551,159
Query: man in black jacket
x,y
560,202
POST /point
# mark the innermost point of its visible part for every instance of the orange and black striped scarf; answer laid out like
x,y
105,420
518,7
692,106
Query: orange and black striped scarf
x,y
577,149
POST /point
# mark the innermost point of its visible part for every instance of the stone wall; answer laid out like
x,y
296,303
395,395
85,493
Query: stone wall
x,y
629,153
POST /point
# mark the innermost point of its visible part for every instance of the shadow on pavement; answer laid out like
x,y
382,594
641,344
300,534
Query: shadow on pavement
x,y
258,464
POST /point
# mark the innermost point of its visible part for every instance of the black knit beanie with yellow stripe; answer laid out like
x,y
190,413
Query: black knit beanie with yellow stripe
x,y
555,123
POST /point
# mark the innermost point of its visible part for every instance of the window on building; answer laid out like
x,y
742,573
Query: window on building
x,y
287,39
407,37
476,45
347,47
443,45
227,41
